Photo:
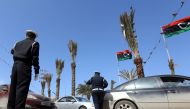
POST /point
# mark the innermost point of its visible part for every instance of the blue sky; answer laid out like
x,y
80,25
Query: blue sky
x,y
95,26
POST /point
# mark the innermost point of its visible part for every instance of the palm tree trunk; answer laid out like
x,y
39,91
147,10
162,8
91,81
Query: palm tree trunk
x,y
49,90
171,66
49,93
43,84
73,66
42,91
88,97
57,87
138,62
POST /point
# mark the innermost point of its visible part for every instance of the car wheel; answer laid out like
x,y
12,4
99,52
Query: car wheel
x,y
82,107
124,104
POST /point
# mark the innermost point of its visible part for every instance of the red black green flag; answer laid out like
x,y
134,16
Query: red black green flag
x,y
124,55
176,27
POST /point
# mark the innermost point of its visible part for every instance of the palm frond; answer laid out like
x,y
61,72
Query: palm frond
x,y
59,67
43,82
127,27
47,77
84,90
128,75
73,49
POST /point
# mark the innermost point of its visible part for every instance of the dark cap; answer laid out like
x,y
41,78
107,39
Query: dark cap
x,y
97,73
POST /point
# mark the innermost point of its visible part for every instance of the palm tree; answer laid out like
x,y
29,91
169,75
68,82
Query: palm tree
x,y
127,26
59,67
43,84
171,66
73,52
84,90
48,78
128,75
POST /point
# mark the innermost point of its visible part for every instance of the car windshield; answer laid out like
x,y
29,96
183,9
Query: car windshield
x,y
80,99
142,83
126,86
147,83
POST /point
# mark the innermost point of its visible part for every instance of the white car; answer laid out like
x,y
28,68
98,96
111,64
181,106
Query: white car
x,y
71,102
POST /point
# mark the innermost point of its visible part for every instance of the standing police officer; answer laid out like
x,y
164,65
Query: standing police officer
x,y
25,54
98,84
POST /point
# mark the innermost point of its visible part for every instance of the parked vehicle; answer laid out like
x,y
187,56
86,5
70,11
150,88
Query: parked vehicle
x,y
34,101
155,92
71,102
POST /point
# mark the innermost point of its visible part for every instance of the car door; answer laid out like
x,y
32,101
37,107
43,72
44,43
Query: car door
x,y
149,94
62,103
178,92
72,103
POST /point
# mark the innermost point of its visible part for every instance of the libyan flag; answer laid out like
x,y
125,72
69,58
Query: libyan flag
x,y
176,27
124,55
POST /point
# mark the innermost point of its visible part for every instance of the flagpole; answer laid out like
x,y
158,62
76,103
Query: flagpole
x,y
170,61
119,79
166,47
118,71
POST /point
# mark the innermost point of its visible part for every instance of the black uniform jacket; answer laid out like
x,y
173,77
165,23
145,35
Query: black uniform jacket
x,y
27,51
97,82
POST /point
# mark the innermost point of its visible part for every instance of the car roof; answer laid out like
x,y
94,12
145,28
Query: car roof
x,y
67,96
169,76
157,76
73,96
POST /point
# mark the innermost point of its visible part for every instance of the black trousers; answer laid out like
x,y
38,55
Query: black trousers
x,y
20,82
98,98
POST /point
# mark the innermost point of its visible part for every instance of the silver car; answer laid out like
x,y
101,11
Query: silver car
x,y
155,92
71,102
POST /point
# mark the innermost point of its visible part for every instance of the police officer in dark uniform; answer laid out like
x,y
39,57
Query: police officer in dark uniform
x,y
98,84
25,55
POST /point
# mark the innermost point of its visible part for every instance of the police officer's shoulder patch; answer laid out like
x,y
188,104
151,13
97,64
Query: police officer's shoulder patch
x,y
34,44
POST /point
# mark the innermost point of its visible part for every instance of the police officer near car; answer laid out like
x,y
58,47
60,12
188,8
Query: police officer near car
x,y
98,84
25,55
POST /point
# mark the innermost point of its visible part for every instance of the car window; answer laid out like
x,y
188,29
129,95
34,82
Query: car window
x,y
146,83
175,81
126,86
120,87
64,99
80,99
70,99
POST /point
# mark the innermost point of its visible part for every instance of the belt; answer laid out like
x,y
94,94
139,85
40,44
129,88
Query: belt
x,y
97,89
